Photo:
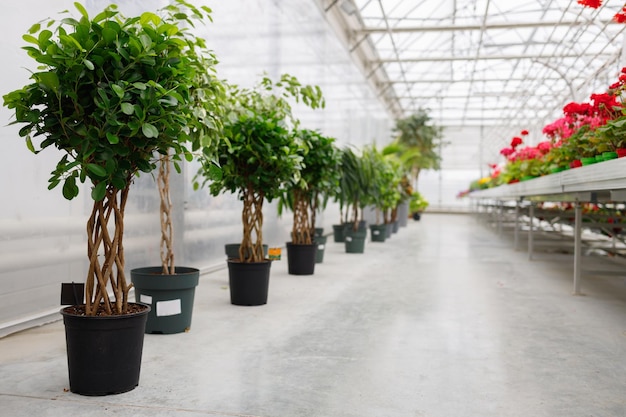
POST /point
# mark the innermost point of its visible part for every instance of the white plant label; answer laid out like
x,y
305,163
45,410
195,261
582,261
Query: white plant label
x,y
146,299
168,308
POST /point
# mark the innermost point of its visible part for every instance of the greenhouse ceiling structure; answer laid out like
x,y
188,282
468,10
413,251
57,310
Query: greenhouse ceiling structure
x,y
489,63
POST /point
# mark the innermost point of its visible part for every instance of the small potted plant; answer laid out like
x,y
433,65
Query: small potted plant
x,y
257,156
109,93
318,176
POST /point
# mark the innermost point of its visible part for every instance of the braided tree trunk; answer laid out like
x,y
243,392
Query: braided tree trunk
x,y
394,214
108,268
314,207
251,248
301,231
167,229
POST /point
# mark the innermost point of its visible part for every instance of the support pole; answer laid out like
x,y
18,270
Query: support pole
x,y
516,227
500,211
577,246
531,215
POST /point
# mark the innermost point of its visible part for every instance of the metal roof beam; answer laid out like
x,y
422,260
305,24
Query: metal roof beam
x,y
454,28
484,57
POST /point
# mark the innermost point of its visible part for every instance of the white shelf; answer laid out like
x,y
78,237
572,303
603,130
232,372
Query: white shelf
x,y
602,181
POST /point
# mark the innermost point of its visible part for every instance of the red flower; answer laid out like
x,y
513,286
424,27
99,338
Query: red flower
x,y
620,17
516,141
594,4
524,132
506,151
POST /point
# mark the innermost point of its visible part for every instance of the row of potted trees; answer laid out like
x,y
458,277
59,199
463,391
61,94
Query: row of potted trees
x,y
122,95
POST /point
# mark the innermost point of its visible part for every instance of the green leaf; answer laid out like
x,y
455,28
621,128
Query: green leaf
x,y
48,79
149,130
34,28
109,35
118,90
88,64
99,191
70,190
29,144
31,39
113,139
215,172
81,10
128,108
97,170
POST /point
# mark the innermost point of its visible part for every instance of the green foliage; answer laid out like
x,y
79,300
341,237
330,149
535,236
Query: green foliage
x,y
612,135
111,91
416,134
417,203
384,191
259,151
320,174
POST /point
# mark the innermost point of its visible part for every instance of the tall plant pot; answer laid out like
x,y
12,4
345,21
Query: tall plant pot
x,y
170,296
104,352
320,241
378,232
394,226
249,282
355,240
339,232
301,259
232,250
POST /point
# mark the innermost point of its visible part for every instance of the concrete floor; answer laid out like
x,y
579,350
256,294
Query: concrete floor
x,y
442,320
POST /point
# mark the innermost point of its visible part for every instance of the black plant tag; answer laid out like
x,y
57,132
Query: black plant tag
x,y
72,293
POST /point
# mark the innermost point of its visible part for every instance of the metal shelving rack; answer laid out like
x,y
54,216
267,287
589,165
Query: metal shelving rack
x,y
598,183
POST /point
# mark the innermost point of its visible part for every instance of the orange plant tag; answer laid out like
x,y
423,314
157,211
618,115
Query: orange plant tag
x,y
274,254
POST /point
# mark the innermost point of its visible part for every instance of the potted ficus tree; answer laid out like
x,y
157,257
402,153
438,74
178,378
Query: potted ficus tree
x,y
110,92
169,288
256,158
318,176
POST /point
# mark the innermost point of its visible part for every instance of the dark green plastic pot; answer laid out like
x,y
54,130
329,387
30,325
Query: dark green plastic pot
x,y
355,240
320,241
378,232
170,296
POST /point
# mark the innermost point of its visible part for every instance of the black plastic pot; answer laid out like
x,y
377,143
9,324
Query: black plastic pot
x,y
320,241
355,240
104,353
232,250
249,282
416,216
378,232
170,296
301,259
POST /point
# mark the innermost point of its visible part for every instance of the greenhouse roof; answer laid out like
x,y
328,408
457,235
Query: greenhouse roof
x,y
496,63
